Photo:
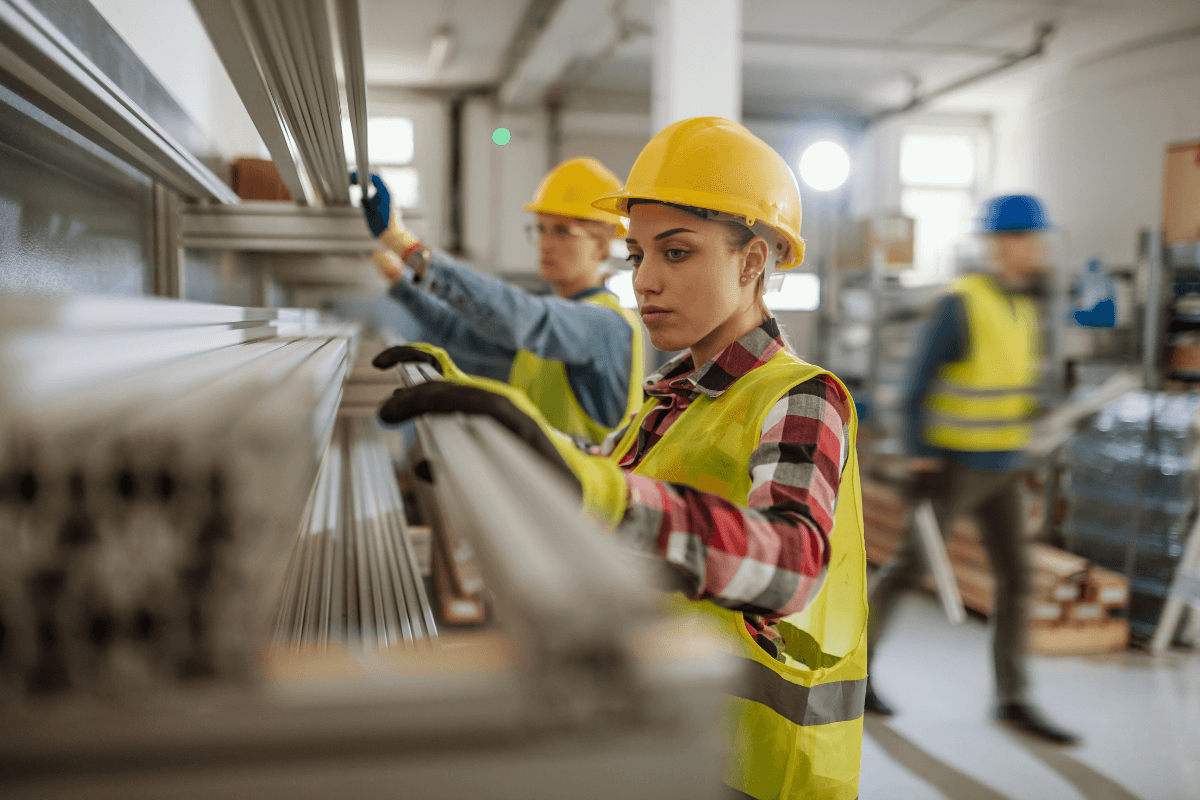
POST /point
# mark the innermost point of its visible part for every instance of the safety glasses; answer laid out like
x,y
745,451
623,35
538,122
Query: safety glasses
x,y
559,230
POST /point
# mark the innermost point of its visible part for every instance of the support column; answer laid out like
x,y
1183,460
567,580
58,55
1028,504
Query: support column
x,y
167,250
697,67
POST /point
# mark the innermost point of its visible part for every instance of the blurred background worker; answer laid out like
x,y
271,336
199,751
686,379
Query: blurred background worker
x,y
578,356
969,394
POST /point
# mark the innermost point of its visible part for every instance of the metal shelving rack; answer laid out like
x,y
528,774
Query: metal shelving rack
x,y
590,679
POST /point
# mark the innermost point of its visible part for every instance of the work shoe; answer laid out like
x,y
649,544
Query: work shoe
x,y
1029,719
875,705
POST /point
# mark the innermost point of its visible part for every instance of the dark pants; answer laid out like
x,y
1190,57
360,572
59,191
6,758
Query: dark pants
x,y
992,498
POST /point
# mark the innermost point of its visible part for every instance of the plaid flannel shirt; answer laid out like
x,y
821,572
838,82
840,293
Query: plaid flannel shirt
x,y
766,560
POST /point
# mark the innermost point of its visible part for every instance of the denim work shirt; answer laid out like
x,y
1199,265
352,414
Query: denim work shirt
x,y
486,321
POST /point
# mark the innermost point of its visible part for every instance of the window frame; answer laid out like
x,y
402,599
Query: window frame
x,y
979,131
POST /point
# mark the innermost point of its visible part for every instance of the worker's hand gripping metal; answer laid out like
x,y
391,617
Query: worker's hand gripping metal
x,y
407,354
441,397
599,480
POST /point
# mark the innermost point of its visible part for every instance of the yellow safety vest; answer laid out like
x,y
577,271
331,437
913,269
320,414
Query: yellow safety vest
x,y
794,729
983,402
546,383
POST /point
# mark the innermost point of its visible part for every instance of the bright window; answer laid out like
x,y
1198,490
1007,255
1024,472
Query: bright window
x,y
937,160
938,177
942,218
392,148
404,184
391,140
801,291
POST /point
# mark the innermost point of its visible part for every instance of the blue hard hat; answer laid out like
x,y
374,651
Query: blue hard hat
x,y
1014,212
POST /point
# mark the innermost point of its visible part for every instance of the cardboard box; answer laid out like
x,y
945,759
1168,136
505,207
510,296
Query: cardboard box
x,y
1059,563
1054,589
1181,193
258,179
858,238
1086,612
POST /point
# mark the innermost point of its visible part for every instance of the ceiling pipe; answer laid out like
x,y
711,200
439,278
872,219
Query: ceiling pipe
x,y
875,45
1037,48
533,23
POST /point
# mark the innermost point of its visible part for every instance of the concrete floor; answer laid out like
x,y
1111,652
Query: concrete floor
x,y
1139,716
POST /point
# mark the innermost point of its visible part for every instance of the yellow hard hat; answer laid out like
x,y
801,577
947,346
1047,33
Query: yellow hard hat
x,y
716,164
570,188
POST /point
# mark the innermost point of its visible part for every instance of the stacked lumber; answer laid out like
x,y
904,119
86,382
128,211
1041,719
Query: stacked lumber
x,y
457,579
1075,608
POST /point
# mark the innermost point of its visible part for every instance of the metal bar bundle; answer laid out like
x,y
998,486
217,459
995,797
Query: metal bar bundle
x,y
142,552
353,577
155,457
280,55
569,595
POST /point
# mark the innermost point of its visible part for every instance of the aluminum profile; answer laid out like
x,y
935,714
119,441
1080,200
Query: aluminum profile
x,y
280,55
155,458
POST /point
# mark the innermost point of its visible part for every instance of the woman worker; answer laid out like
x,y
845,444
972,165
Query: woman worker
x,y
578,356
739,469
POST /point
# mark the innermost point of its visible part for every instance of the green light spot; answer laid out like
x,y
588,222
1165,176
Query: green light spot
x,y
501,136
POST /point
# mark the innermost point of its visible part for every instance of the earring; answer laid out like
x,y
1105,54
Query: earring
x,y
743,280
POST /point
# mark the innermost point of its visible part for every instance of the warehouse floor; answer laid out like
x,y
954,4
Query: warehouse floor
x,y
1139,716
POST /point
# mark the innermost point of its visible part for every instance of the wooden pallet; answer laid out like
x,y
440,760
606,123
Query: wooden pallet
x,y
1074,606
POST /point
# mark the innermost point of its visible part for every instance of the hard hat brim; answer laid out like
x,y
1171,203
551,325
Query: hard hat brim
x,y
619,204
600,216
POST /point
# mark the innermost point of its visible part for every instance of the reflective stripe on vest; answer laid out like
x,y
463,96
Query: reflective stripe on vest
x,y
822,704
795,729
982,402
546,382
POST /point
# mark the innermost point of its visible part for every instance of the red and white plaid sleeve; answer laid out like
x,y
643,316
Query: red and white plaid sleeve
x,y
768,559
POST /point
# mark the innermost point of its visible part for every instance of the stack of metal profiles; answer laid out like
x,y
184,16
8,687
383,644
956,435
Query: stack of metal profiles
x,y
158,461
353,576
155,458
280,55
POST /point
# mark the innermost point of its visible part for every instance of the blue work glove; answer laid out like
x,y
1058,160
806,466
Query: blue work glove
x,y
378,207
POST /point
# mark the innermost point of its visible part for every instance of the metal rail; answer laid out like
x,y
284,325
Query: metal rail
x,y
276,227
45,67
144,519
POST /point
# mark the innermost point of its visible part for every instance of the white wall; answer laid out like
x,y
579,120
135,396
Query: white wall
x,y
1097,141
169,38
615,138
498,180
1088,139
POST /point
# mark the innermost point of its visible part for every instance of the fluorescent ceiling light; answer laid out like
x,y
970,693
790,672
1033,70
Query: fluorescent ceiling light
x,y
439,49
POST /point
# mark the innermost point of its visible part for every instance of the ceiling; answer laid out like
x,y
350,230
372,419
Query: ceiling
x,y
799,56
